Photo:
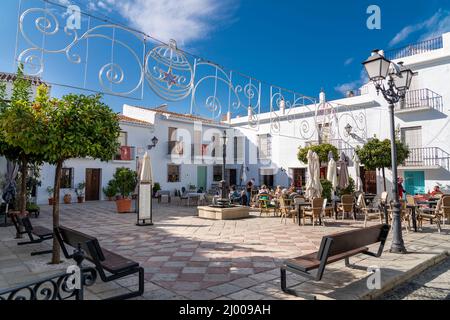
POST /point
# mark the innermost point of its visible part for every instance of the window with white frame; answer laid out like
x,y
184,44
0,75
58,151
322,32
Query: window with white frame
x,y
264,146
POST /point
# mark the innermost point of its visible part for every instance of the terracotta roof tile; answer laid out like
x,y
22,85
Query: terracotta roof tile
x,y
132,120
191,117
10,77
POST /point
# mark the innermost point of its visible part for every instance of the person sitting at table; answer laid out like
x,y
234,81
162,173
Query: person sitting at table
x,y
234,195
436,191
278,192
264,189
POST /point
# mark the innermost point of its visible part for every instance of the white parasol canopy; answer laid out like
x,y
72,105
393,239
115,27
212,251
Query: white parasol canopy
x,y
332,173
358,181
145,189
313,185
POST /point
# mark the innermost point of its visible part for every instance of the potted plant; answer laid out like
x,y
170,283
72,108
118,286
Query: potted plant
x,y
156,188
67,198
80,192
110,190
51,200
125,180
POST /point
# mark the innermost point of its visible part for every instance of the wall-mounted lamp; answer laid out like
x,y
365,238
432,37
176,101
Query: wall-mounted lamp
x,y
154,143
283,169
348,128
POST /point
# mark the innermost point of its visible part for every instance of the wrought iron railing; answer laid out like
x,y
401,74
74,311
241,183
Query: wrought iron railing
x,y
416,48
428,157
421,98
125,153
62,286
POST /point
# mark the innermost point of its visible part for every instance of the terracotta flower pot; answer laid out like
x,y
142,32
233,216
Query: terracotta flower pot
x,y
123,205
67,199
51,201
80,199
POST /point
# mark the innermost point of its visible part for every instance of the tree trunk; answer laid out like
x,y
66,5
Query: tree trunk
x,y
56,249
384,179
23,187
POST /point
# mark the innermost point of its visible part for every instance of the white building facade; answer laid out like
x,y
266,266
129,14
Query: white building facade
x,y
189,149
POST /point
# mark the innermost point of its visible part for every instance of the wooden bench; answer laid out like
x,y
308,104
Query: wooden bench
x,y
335,247
103,260
35,234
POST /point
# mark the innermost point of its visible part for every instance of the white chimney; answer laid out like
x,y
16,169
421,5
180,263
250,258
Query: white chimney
x,y
250,112
322,97
282,106
229,116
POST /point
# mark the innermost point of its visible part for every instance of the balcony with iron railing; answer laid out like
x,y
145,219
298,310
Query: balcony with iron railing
x,y
125,153
420,100
431,157
416,48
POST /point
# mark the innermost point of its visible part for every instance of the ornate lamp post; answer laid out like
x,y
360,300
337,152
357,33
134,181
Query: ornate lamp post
x,y
393,82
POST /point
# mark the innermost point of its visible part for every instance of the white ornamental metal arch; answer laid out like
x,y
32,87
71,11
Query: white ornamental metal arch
x,y
170,73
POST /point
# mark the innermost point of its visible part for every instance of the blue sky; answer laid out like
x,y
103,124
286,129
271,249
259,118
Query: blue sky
x,y
300,45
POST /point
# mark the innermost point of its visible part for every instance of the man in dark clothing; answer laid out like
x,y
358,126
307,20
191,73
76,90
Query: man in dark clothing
x,y
248,188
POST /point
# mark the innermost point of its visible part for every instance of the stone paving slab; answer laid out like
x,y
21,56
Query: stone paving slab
x,y
185,257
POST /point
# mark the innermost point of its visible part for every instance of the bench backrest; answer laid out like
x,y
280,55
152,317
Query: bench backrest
x,y
355,239
73,238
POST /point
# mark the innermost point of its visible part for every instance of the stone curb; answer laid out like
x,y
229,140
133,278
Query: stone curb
x,y
405,277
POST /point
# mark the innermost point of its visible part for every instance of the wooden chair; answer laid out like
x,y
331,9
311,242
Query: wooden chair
x,y
314,212
346,206
430,214
369,214
405,214
445,209
264,200
286,211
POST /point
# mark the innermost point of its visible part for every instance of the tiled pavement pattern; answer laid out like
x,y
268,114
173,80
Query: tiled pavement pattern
x,y
185,257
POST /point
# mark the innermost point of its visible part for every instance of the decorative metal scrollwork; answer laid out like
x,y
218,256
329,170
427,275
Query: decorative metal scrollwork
x,y
52,288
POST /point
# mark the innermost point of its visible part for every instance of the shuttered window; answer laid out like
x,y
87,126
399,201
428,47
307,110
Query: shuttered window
x,y
265,146
66,180
173,173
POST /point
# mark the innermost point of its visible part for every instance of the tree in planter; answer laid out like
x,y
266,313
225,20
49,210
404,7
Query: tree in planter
x,y
349,190
125,181
79,190
322,151
327,189
22,129
79,126
156,188
376,154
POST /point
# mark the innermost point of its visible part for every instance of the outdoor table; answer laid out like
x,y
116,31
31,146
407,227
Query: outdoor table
x,y
299,209
190,195
429,203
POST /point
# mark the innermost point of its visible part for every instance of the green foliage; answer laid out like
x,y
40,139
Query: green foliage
x,y
322,151
376,154
156,187
32,207
349,190
111,189
125,181
79,190
50,191
81,126
21,87
327,188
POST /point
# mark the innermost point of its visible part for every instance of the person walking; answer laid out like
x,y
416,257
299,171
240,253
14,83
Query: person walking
x,y
248,189
401,190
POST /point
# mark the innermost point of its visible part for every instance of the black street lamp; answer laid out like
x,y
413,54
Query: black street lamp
x,y
393,82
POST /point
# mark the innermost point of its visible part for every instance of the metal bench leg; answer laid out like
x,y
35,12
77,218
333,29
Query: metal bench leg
x,y
132,294
347,262
283,279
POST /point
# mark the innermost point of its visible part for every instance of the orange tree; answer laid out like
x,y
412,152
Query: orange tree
x,y
376,154
21,129
79,126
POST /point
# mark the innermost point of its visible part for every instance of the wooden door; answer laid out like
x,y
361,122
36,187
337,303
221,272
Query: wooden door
x,y
93,184
369,180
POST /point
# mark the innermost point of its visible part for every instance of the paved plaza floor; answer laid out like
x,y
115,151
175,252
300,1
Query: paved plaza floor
x,y
186,257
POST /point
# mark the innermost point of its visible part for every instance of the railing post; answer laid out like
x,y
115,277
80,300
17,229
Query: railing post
x,y
78,256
